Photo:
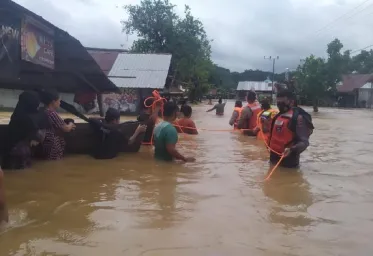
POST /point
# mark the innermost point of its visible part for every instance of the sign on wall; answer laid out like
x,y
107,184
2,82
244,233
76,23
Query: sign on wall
x,y
9,47
37,44
125,102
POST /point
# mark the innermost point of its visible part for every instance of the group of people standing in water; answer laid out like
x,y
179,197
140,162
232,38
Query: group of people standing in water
x,y
285,130
32,131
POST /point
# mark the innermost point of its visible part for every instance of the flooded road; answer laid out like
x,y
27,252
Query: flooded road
x,y
135,206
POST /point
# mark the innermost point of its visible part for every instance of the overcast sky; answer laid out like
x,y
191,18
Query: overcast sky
x,y
244,31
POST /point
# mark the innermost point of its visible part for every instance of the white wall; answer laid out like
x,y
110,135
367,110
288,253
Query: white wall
x,y
9,98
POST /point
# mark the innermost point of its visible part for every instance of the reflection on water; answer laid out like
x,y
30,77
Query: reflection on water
x,y
134,205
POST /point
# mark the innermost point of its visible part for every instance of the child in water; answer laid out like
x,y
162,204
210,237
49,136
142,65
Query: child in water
x,y
186,124
165,136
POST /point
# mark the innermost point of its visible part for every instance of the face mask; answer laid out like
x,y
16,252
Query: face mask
x,y
282,107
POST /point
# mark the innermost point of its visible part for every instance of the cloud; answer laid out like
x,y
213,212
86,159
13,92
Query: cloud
x,y
243,31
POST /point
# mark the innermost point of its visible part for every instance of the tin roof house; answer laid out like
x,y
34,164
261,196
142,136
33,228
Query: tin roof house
x,y
260,87
136,75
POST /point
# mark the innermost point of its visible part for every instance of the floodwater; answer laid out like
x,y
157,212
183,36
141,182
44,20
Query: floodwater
x,y
135,206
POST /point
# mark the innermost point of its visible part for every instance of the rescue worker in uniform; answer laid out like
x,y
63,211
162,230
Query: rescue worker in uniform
x,y
236,114
290,131
249,114
265,118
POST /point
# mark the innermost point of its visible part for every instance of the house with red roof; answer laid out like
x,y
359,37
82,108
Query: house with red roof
x,y
355,90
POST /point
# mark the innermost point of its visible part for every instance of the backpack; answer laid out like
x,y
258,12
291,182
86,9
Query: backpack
x,y
306,117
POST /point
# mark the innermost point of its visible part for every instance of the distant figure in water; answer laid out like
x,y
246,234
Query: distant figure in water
x,y
218,107
3,208
186,124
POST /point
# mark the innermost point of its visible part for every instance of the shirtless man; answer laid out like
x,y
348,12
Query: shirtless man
x,y
219,107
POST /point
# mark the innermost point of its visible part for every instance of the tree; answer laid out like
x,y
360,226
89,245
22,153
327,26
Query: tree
x,y
336,63
161,30
312,79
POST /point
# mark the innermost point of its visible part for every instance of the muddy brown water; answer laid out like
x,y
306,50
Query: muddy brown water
x,y
217,206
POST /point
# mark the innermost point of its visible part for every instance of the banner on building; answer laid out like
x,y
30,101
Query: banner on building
x,y
9,47
37,43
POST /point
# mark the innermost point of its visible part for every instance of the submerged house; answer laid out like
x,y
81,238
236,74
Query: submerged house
x,y
356,90
264,88
136,75
35,54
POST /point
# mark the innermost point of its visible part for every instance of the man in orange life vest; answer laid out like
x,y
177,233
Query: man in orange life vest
x,y
249,114
236,114
290,131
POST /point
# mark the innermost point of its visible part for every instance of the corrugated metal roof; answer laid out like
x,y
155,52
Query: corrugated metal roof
x,y
254,86
140,70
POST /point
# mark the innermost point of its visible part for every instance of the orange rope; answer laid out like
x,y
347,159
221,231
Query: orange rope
x,y
157,98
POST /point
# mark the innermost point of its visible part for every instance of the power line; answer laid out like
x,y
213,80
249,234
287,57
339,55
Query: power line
x,y
343,15
366,47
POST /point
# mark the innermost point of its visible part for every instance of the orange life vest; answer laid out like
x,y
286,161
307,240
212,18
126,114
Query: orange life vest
x,y
267,114
239,110
281,136
256,109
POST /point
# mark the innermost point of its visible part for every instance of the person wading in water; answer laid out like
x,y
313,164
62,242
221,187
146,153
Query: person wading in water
x,y
264,121
166,137
249,114
218,107
290,131
236,114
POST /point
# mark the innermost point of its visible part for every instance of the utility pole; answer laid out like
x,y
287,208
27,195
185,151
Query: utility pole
x,y
273,59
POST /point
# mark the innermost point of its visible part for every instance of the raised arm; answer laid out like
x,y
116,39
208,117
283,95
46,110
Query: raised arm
x,y
213,108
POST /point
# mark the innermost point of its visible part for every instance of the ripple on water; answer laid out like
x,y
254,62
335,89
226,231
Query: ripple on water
x,y
218,205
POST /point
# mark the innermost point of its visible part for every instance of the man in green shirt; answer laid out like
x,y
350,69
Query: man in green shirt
x,y
165,136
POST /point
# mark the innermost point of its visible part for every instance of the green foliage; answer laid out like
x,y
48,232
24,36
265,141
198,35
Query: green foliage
x,y
161,30
312,79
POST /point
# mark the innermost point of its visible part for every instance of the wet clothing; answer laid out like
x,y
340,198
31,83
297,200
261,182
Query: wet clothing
x,y
249,114
109,139
54,142
219,108
236,115
284,136
24,126
255,109
186,125
145,118
265,118
164,133
20,156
